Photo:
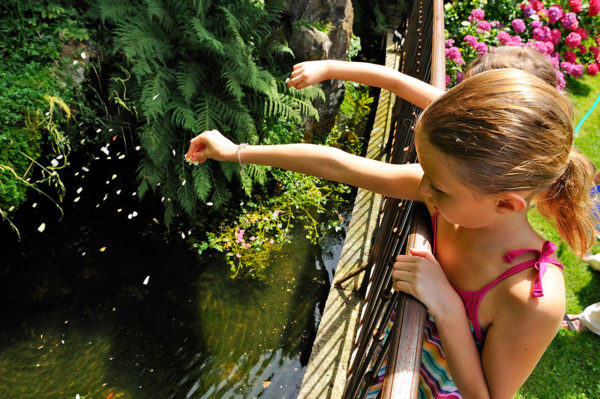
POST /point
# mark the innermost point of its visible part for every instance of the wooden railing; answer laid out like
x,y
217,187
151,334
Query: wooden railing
x,y
402,225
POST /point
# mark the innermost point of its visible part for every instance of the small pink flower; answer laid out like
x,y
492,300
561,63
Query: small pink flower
x,y
541,47
518,25
252,238
471,40
592,69
536,5
539,34
555,13
271,241
459,78
483,26
238,255
503,37
570,56
594,8
516,41
555,34
448,80
481,48
549,47
476,15
582,48
577,70
560,80
575,5
449,43
573,40
570,21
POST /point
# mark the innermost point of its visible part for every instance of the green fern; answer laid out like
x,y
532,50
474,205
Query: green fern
x,y
195,66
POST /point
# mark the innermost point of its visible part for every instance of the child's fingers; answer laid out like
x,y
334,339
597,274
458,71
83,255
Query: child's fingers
x,y
297,66
423,253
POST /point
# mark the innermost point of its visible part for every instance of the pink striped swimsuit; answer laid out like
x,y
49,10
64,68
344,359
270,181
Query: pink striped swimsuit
x,y
434,379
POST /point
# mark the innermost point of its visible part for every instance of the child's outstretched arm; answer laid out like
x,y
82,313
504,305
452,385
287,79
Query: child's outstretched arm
x,y
411,89
398,181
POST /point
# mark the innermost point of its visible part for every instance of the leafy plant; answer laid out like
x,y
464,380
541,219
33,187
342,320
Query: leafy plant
x,y
196,66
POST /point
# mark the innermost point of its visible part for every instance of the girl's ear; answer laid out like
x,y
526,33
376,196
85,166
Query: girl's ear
x,y
510,202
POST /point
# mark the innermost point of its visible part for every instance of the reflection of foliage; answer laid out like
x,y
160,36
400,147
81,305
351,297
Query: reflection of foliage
x,y
264,224
32,86
198,66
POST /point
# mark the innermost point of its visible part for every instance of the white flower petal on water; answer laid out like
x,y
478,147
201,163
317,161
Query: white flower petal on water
x,y
59,157
42,227
75,62
113,177
98,130
34,205
104,150
155,96
76,174
146,280
209,204
118,191
134,213
183,183
183,235
110,130
134,194
12,208
79,190
54,163
77,199
174,153
122,156
137,147
83,253
85,169
129,216
119,210
83,55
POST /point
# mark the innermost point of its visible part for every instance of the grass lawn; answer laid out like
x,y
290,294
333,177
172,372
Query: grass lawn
x,y
570,368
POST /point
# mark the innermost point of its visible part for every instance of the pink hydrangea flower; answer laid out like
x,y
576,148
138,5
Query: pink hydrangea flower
x,y
536,24
503,37
560,80
539,46
555,34
570,21
528,11
582,48
592,69
536,5
239,235
577,70
476,15
481,48
516,41
575,5
566,66
471,40
594,8
454,54
539,34
570,56
555,62
549,47
483,26
518,25
459,76
448,79
573,40
449,43
582,32
555,13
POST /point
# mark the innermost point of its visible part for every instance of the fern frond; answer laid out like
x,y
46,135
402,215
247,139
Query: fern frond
x,y
182,115
204,36
189,77
229,169
202,181
221,194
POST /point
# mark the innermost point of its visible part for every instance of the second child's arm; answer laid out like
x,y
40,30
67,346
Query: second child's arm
x,y
398,181
411,89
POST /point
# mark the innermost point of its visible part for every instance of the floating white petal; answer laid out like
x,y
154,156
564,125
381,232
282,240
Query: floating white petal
x,y
42,227
155,96
146,280
104,150
79,190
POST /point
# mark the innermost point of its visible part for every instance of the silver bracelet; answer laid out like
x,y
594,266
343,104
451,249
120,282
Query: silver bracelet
x,y
237,153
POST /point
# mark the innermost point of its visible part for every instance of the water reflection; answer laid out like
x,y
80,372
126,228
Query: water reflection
x,y
80,316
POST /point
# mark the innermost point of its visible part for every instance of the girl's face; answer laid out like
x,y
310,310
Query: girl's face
x,y
442,188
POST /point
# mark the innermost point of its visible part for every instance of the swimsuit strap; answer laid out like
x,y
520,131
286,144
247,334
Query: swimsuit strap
x,y
540,264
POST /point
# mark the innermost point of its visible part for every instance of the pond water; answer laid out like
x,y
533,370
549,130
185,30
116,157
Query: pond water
x,y
107,304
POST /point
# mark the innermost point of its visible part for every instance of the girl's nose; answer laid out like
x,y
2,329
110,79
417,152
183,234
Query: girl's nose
x,y
424,187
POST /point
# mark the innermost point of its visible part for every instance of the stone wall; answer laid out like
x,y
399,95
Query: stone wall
x,y
334,19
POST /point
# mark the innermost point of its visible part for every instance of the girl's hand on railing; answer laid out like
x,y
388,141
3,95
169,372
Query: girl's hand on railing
x,y
421,276
307,74
211,144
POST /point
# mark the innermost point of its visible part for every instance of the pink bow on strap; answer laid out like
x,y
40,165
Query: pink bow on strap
x,y
541,263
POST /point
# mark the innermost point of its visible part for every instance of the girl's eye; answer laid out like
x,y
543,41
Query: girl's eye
x,y
435,189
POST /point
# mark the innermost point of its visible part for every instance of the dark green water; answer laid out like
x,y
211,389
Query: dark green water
x,y
78,320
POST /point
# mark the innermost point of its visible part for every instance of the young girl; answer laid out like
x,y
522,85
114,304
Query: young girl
x,y
487,148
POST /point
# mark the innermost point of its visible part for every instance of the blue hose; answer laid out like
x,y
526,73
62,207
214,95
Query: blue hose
x,y
587,114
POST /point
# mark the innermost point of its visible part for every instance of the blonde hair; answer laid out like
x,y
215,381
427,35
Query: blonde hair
x,y
510,131
526,59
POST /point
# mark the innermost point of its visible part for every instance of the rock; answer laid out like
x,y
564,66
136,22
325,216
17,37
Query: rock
x,y
322,29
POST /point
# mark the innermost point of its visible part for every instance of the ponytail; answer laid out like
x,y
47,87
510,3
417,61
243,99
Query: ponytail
x,y
569,203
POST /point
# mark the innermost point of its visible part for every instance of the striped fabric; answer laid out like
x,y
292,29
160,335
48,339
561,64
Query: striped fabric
x,y
434,379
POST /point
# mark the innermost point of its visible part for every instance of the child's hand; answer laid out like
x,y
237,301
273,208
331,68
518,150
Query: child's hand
x,y
307,74
211,144
421,276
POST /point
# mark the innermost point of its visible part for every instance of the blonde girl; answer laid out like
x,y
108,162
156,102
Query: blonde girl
x,y
487,148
